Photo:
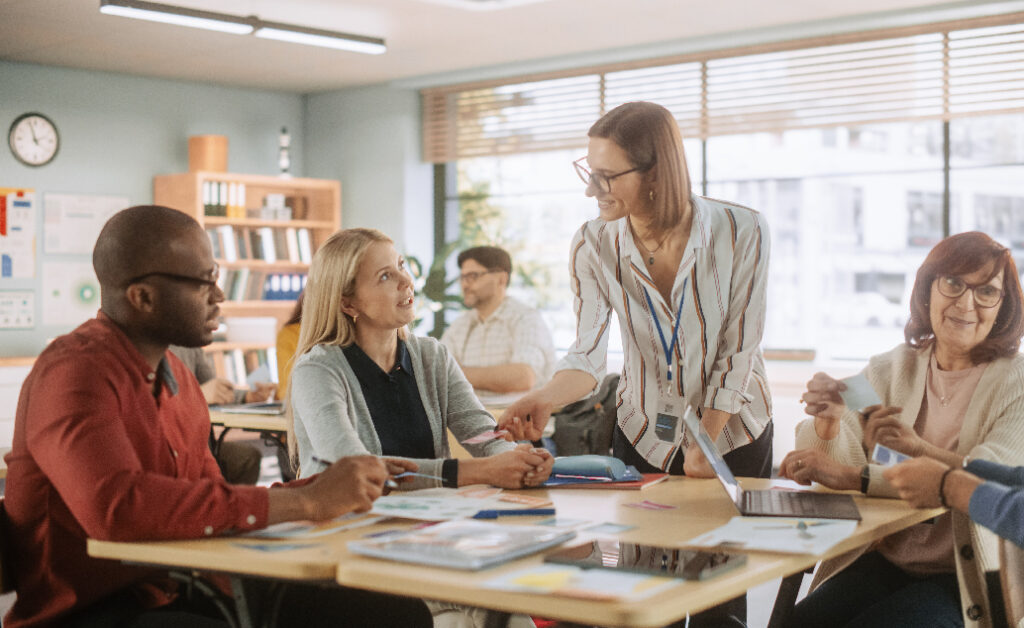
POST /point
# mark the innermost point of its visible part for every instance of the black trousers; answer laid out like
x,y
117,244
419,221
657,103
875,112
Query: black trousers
x,y
300,606
751,460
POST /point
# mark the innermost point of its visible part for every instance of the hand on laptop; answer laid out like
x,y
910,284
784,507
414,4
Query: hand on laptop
x,y
260,391
695,464
805,466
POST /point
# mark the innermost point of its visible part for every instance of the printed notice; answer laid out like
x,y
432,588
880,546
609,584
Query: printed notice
x,y
17,234
17,309
72,222
71,293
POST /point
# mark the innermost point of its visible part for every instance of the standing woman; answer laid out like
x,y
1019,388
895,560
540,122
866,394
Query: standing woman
x,y
686,276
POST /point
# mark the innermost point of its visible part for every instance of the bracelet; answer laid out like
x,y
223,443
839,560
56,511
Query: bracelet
x,y
942,486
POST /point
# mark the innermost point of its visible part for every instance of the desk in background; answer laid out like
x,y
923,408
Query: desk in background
x,y
701,505
272,428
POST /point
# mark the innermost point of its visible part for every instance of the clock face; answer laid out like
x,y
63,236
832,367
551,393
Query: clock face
x,y
34,139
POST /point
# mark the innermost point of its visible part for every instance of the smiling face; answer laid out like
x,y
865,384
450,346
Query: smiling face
x,y
383,297
629,192
959,323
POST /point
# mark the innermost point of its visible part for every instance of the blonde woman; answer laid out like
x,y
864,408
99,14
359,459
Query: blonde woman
x,y
362,383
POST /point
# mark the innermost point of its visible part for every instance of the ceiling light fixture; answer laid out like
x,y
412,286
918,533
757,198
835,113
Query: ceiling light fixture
x,y
225,23
176,15
318,37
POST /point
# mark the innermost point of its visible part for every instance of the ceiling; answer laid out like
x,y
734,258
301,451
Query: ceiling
x,y
424,37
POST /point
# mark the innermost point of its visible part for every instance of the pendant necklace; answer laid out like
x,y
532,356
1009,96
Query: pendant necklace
x,y
650,252
938,387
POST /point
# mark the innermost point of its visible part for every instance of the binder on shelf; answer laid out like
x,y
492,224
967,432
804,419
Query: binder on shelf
x,y
242,238
305,245
241,283
292,244
255,243
239,363
281,244
207,191
267,245
215,242
228,242
222,201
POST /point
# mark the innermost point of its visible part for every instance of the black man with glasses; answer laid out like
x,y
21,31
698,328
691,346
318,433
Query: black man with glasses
x,y
110,442
501,343
953,393
686,277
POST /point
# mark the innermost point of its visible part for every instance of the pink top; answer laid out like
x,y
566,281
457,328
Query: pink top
x,y
927,548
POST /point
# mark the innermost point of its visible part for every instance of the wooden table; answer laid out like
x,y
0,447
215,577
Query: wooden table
x,y
273,428
701,505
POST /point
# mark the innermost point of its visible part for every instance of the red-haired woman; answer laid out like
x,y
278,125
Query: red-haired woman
x,y
953,392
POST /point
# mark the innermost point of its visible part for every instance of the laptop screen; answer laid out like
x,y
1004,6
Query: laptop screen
x,y
725,476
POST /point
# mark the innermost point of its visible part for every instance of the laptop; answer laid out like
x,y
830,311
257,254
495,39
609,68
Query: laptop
x,y
770,503
270,408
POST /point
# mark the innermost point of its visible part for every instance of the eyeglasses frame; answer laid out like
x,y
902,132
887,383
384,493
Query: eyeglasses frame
x,y
973,287
587,176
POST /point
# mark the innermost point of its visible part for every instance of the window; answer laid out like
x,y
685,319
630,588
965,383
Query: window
x,y
845,148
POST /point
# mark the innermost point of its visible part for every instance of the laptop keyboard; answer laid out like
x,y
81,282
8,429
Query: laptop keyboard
x,y
779,503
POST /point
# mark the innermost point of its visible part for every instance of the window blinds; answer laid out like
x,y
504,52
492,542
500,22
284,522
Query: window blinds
x,y
937,71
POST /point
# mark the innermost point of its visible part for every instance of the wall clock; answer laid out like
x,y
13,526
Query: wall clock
x,y
33,139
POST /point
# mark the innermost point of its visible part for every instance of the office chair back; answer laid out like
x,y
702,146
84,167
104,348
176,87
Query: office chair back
x,y
1011,569
6,569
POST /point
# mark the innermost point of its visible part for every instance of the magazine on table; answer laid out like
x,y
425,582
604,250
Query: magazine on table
x,y
462,544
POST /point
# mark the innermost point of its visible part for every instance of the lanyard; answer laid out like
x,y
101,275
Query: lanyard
x,y
675,330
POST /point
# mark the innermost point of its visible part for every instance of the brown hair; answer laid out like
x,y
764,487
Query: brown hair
x,y
963,254
490,257
650,136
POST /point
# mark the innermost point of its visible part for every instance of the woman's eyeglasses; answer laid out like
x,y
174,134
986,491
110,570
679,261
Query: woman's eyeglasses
x,y
602,181
985,294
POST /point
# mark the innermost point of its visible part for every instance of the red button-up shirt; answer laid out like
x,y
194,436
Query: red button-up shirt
x,y
97,454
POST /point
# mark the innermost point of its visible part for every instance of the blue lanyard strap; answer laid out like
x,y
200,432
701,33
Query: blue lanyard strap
x,y
669,348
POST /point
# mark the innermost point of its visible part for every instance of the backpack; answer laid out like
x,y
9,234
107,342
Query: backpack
x,y
586,426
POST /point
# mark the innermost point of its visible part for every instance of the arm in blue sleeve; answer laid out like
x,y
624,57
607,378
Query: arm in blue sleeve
x,y
999,508
987,470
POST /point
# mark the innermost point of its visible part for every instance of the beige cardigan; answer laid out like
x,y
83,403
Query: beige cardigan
x,y
993,429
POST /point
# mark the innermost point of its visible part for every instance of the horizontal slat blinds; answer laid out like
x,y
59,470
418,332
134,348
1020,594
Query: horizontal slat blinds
x,y
936,71
986,70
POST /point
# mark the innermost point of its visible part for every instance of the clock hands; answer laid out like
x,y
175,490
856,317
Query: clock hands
x,y
32,128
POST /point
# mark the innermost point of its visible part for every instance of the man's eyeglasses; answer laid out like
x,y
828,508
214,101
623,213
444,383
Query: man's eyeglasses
x,y
210,283
985,294
602,181
472,277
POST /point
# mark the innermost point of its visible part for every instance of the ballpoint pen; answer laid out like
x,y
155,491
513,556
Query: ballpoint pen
x,y
513,512
390,482
595,478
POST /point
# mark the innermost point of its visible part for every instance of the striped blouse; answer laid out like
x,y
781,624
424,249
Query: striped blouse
x,y
717,360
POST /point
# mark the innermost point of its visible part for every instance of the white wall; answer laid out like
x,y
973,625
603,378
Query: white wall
x,y
369,139
117,131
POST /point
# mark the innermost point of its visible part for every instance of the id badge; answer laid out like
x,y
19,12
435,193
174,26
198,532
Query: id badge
x,y
666,426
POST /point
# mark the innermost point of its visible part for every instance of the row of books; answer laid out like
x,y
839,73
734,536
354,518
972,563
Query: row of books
x,y
222,198
245,284
239,364
270,244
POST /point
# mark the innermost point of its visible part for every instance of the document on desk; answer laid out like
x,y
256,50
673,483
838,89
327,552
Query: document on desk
x,y
431,505
777,534
570,581
310,530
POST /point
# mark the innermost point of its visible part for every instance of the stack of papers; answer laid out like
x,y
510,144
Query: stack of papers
x,y
462,544
569,581
778,534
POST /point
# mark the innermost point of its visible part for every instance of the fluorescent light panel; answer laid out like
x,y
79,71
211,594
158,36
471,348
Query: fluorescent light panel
x,y
317,37
176,15
242,26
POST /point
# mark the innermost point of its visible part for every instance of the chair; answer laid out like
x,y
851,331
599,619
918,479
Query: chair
x,y
6,569
1011,569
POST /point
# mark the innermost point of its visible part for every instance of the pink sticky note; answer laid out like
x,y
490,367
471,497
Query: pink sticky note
x,y
483,437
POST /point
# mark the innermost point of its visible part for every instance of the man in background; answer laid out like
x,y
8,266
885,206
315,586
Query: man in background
x,y
239,462
502,345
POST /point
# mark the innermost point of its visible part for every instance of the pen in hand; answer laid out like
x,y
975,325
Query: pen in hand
x,y
390,483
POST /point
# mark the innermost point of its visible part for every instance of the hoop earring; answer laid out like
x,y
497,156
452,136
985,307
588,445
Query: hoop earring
x,y
355,317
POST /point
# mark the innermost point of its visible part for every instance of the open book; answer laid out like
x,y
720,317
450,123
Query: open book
x,y
462,544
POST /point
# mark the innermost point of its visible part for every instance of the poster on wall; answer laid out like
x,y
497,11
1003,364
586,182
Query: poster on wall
x,y
71,293
17,309
71,222
17,234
